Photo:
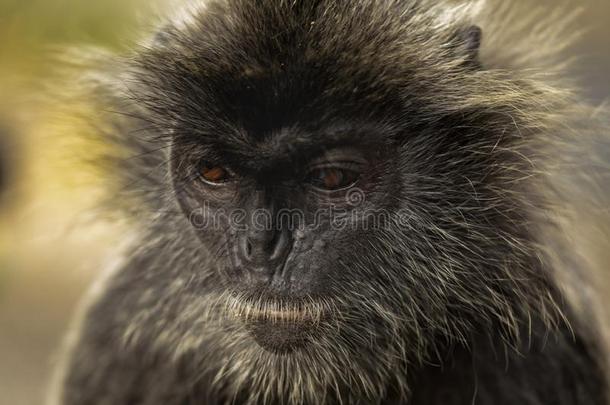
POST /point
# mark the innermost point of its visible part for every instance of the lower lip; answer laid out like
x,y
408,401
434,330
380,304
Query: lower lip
x,y
275,312
280,328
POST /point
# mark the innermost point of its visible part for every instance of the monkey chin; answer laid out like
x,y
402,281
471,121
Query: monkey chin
x,y
280,327
281,337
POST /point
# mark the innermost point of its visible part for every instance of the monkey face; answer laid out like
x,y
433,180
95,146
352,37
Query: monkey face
x,y
281,215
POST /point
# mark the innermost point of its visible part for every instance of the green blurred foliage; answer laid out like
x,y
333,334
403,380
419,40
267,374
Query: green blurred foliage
x,y
38,21
43,266
28,29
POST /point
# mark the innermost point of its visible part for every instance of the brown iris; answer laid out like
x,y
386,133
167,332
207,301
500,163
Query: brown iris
x,y
214,174
330,178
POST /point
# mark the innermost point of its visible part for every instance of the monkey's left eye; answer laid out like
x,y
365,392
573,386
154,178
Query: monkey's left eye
x,y
214,174
332,179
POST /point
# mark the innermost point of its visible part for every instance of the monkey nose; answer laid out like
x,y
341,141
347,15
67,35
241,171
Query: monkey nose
x,y
264,251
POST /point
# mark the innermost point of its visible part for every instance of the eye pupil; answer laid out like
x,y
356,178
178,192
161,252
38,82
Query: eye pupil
x,y
332,178
215,174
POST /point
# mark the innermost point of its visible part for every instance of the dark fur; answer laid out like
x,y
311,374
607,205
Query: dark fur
x,y
461,305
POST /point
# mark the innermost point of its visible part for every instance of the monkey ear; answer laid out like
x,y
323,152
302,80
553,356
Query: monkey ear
x,y
468,43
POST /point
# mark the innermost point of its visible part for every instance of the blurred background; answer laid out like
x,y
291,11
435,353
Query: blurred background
x,y
51,245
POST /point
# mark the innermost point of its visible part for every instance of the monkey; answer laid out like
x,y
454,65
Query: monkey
x,y
340,202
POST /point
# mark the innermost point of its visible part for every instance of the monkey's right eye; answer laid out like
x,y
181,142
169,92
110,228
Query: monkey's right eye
x,y
214,174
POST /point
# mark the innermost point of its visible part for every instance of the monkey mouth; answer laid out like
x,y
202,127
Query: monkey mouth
x,y
274,311
279,326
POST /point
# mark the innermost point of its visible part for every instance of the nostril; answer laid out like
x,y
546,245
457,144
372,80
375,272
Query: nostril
x,y
264,248
246,248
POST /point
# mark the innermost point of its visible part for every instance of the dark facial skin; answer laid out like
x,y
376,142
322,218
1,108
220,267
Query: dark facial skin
x,y
274,224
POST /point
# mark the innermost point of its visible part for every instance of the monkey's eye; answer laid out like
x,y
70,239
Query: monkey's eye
x,y
332,178
214,174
